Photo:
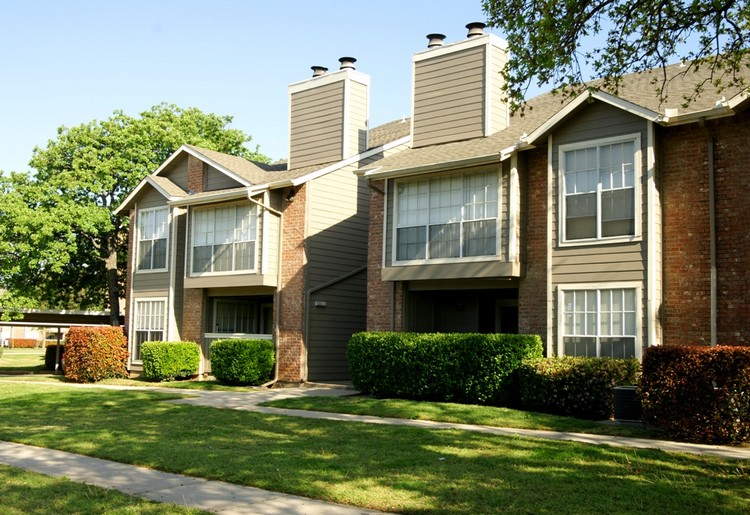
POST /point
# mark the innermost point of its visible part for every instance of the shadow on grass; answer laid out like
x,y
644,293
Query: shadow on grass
x,y
383,467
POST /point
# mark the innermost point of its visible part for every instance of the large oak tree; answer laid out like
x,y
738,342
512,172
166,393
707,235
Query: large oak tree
x,y
563,44
60,244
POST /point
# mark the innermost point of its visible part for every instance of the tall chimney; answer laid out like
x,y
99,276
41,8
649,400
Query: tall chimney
x,y
328,115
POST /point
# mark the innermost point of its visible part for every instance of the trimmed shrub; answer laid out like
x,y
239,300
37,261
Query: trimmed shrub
x,y
242,361
23,343
699,394
50,356
575,386
167,361
456,367
95,353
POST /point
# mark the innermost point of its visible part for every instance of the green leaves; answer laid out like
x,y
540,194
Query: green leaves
x,y
559,43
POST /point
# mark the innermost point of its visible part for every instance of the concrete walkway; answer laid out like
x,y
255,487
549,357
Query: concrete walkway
x,y
226,498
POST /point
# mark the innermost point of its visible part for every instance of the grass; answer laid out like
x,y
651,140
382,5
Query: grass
x,y
206,385
24,492
22,360
389,468
460,414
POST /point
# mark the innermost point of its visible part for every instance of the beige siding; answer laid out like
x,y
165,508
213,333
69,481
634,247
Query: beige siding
x,y
356,118
216,180
146,280
499,108
317,120
268,237
178,172
449,94
603,262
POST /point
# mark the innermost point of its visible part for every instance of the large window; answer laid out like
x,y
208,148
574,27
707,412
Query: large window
x,y
150,323
599,190
600,323
224,239
152,239
447,217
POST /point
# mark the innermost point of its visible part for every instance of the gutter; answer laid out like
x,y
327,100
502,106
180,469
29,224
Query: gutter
x,y
712,228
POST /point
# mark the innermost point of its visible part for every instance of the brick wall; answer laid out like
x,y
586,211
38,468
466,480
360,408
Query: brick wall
x,y
193,316
687,280
196,175
532,291
291,355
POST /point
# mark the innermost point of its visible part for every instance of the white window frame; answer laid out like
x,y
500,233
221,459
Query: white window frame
x,y
253,210
138,318
598,287
396,224
637,207
138,241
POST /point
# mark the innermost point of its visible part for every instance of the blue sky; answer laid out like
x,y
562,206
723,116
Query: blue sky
x,y
68,62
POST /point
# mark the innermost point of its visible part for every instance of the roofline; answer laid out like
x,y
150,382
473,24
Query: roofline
x,y
221,168
146,180
374,173
238,193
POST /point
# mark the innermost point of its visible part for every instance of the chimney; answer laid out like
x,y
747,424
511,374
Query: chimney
x,y
328,115
456,93
435,40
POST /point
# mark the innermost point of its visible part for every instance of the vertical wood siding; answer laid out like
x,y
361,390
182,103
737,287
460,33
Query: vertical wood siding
x,y
215,180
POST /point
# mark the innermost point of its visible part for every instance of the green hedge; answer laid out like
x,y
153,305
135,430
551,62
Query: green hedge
x,y
95,353
242,361
699,394
456,367
575,386
50,356
167,361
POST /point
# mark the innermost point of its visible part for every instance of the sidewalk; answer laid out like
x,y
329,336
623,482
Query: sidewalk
x,y
233,499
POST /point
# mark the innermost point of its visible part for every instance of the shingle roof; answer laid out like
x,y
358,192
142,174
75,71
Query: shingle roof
x,y
639,89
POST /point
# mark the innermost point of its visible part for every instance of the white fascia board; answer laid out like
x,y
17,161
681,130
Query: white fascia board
x,y
147,180
627,106
375,173
208,199
329,78
460,45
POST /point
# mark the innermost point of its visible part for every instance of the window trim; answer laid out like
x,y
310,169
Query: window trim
x,y
626,285
468,259
191,233
134,329
137,251
637,191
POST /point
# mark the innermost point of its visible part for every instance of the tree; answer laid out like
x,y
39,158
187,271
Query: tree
x,y
60,244
548,41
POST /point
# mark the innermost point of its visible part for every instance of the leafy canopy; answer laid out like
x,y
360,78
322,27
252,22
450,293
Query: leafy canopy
x,y
555,42
60,245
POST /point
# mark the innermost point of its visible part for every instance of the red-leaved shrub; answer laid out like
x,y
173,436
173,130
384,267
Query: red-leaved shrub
x,y
699,394
95,353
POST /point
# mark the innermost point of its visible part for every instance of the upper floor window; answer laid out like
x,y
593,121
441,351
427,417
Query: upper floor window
x,y
453,216
599,322
599,190
224,239
152,238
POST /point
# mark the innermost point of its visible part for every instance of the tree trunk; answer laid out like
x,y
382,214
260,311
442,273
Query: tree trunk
x,y
114,293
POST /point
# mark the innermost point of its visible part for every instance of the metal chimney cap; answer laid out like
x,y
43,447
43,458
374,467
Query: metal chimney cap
x,y
318,70
436,40
347,63
476,28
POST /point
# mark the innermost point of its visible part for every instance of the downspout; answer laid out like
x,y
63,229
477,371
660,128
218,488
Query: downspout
x,y
712,228
277,295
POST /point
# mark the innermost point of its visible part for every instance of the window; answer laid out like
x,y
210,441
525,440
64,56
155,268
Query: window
x,y
232,316
152,239
447,217
599,190
224,239
600,323
150,321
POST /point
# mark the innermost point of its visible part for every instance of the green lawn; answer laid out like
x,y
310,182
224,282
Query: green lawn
x,y
22,360
24,492
389,468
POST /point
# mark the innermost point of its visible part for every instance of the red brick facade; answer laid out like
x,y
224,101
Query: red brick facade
x,y
196,179
193,315
291,355
532,290
687,278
